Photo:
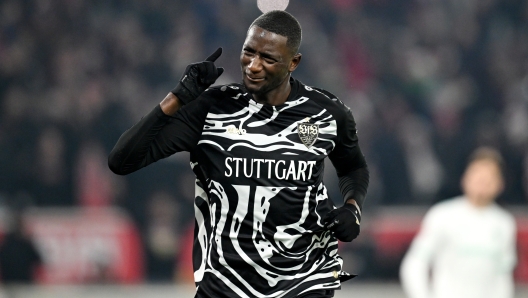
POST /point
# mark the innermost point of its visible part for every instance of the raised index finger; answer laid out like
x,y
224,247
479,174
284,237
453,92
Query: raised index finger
x,y
214,55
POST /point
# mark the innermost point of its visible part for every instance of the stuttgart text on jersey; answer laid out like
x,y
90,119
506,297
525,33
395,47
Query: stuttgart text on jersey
x,y
269,168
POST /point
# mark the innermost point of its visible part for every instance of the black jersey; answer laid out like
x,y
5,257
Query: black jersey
x,y
260,196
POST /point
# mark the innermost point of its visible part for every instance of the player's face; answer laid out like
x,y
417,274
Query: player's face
x,y
266,61
482,182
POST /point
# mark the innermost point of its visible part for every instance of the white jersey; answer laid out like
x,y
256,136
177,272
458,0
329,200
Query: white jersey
x,y
461,251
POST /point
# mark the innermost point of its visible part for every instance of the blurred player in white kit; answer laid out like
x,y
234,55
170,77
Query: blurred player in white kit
x,y
466,245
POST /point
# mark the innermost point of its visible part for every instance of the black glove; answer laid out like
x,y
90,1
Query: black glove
x,y
198,77
344,222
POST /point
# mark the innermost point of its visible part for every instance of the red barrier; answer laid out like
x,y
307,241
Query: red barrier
x,y
86,246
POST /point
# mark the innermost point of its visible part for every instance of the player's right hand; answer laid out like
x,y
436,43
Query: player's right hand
x,y
197,77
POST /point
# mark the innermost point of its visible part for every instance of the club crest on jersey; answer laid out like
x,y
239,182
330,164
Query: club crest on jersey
x,y
308,133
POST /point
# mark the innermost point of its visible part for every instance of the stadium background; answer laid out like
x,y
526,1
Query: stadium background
x,y
427,81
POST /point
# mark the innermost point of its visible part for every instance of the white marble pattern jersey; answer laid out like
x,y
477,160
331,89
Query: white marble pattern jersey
x,y
260,197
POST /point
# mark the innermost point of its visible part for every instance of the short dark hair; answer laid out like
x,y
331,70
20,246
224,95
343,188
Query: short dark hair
x,y
282,23
487,153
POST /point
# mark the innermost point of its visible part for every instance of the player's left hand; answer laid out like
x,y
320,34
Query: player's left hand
x,y
344,222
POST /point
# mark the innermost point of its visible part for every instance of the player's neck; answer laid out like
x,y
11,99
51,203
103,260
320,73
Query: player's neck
x,y
480,203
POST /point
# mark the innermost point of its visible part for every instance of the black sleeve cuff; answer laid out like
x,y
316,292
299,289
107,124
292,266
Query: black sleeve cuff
x,y
354,185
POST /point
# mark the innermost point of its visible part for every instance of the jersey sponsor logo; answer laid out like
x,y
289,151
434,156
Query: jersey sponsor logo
x,y
269,168
231,129
308,133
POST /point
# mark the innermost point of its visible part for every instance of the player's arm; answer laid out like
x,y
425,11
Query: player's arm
x,y
416,264
172,126
507,261
154,137
353,174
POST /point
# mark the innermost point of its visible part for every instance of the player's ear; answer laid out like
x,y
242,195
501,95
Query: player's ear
x,y
295,62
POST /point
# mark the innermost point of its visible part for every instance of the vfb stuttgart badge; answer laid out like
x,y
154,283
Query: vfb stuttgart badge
x,y
308,133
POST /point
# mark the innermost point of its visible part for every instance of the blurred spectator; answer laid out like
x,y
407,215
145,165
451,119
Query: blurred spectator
x,y
163,236
468,241
50,182
94,183
19,258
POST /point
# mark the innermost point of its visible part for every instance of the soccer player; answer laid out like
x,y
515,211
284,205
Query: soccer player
x,y
467,241
265,226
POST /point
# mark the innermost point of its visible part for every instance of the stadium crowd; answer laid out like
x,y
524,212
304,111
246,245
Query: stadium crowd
x,y
428,81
